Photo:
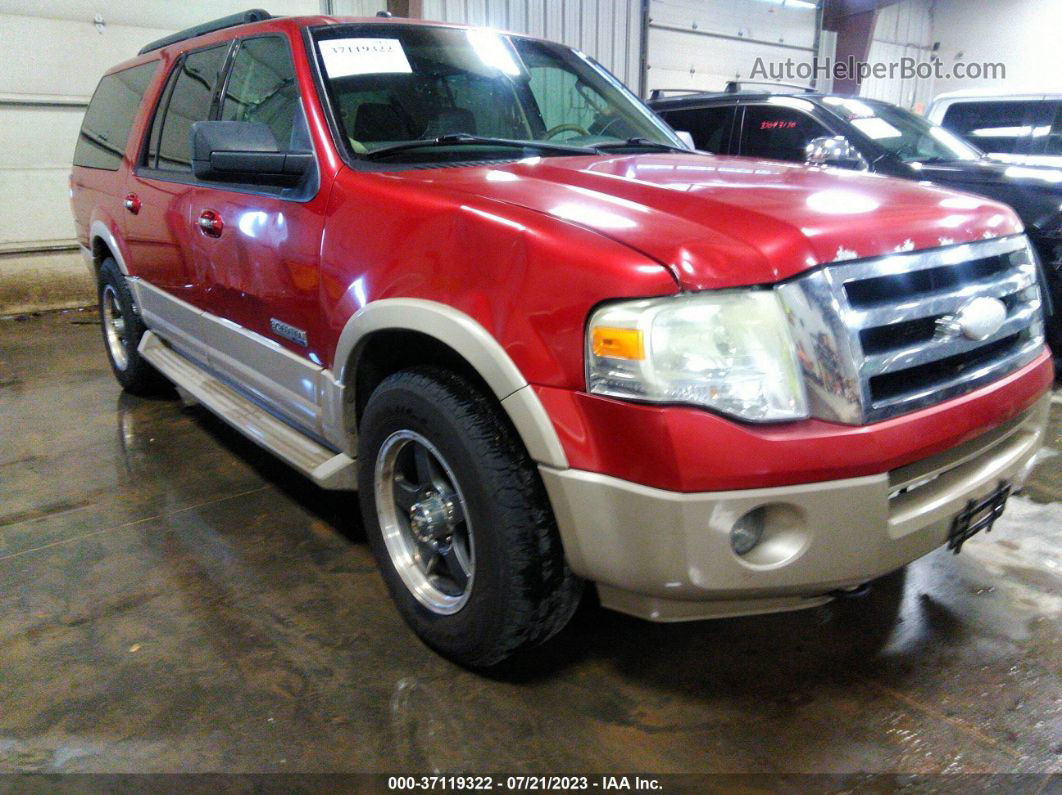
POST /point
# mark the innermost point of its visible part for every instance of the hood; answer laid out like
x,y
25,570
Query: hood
x,y
1035,192
993,172
727,221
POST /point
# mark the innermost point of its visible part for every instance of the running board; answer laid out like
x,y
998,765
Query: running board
x,y
328,469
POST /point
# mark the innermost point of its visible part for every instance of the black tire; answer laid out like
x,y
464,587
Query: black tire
x,y
522,591
134,373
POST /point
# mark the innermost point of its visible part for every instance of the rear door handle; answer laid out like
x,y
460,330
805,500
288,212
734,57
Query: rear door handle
x,y
210,223
132,203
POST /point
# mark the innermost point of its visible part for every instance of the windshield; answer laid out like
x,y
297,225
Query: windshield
x,y
392,84
909,137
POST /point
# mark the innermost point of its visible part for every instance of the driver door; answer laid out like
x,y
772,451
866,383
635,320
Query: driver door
x,y
259,247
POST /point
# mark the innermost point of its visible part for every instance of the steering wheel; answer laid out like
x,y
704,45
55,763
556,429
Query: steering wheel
x,y
552,131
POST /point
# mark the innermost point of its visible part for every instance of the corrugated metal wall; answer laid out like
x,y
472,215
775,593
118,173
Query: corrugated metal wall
x,y
701,44
903,30
607,30
353,8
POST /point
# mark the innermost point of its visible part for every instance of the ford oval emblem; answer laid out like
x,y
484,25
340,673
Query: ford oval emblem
x,y
980,318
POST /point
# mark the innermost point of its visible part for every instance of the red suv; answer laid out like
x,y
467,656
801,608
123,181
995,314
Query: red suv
x,y
471,276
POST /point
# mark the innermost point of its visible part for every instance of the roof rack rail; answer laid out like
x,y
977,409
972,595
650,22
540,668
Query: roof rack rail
x,y
734,86
658,93
242,18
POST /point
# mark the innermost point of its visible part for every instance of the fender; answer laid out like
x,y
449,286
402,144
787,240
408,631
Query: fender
x,y
473,343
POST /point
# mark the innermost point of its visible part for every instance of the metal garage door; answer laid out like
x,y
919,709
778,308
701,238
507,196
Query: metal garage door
x,y
54,53
701,44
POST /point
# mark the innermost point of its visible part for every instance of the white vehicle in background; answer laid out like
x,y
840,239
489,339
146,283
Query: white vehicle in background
x,y
1024,128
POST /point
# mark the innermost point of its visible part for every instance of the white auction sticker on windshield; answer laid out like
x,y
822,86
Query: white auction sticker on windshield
x,y
346,57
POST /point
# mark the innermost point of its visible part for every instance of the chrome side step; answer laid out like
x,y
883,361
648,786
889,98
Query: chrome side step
x,y
328,469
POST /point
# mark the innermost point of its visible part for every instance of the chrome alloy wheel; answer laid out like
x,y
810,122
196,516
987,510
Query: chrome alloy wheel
x,y
424,521
114,327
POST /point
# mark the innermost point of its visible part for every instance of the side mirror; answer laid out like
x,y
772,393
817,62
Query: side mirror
x,y
834,151
686,137
245,152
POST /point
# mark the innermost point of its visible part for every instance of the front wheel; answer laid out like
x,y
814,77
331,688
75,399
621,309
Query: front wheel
x,y
459,521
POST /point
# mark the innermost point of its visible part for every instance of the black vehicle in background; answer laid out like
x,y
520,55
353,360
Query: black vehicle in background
x,y
804,126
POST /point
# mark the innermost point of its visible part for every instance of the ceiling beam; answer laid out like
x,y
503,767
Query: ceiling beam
x,y
410,9
836,11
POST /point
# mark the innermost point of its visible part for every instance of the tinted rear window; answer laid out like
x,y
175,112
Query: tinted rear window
x,y
994,127
109,117
710,127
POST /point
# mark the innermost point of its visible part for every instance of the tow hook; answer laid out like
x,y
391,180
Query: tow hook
x,y
856,592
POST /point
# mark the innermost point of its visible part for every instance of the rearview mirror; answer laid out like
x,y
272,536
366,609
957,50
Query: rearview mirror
x,y
245,152
834,151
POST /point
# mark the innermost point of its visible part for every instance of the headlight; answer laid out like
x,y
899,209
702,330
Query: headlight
x,y
730,351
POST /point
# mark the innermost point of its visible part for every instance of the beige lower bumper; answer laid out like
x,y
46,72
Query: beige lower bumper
x,y
666,556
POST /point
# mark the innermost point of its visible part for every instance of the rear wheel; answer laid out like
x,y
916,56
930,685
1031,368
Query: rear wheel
x,y
459,521
122,331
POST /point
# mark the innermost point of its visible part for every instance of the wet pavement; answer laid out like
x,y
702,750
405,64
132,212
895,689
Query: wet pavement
x,y
174,600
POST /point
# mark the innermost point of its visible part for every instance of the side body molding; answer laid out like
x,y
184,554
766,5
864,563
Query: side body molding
x,y
469,339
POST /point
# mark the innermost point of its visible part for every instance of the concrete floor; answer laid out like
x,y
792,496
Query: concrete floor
x,y
39,281
172,599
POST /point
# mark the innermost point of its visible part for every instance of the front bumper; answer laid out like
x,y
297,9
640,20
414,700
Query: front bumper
x,y
666,556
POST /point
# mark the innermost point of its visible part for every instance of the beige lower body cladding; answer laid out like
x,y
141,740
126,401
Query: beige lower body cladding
x,y
667,556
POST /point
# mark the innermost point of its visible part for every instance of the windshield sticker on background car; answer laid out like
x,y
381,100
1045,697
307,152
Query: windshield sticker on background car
x,y
346,57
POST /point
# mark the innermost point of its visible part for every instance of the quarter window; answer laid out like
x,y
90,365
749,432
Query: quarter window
x,y
109,117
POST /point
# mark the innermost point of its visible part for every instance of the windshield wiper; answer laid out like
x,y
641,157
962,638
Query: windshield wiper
x,y
645,143
461,139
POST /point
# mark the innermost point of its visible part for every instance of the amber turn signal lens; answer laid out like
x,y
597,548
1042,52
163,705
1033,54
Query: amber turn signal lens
x,y
620,343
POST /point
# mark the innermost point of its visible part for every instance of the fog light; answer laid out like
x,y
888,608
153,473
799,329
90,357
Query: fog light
x,y
747,531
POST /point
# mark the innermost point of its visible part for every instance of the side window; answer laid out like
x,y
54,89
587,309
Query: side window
x,y
778,133
995,127
710,127
109,117
189,101
262,88
1054,135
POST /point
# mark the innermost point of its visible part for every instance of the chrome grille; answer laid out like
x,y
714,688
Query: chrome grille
x,y
876,338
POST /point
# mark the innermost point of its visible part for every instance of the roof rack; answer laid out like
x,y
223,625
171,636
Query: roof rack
x,y
658,93
253,15
734,86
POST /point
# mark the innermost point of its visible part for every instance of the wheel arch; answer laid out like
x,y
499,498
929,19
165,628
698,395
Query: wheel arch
x,y
103,244
453,339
